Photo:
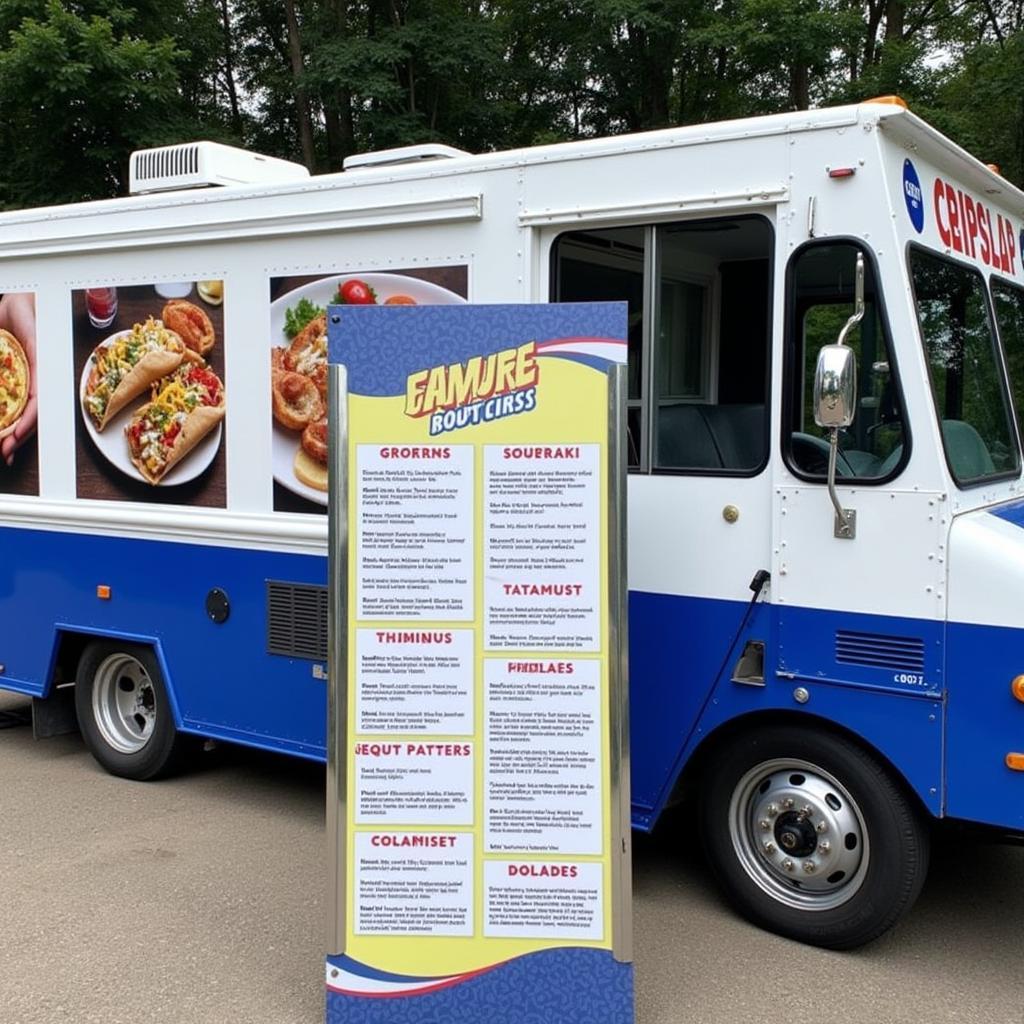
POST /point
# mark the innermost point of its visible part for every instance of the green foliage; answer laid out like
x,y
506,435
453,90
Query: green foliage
x,y
77,93
83,82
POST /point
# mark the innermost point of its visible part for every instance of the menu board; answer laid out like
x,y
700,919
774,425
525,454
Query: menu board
x,y
480,827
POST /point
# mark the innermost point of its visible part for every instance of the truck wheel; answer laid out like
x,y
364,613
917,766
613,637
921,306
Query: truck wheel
x,y
810,836
124,713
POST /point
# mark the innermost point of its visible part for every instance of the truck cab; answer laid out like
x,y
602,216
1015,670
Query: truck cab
x,y
884,651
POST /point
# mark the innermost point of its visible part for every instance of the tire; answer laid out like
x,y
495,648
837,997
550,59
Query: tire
x,y
836,877
124,713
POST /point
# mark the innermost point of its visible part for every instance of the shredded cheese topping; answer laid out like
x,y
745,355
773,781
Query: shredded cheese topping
x,y
116,360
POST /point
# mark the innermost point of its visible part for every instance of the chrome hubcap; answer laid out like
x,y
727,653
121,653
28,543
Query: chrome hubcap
x,y
799,834
124,703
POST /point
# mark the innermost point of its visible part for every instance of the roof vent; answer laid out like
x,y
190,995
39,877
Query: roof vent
x,y
402,155
205,164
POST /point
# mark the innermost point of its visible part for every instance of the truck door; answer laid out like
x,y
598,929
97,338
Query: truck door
x,y
699,295
864,610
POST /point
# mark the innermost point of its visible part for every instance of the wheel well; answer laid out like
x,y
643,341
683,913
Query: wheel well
x,y
70,645
66,657
705,751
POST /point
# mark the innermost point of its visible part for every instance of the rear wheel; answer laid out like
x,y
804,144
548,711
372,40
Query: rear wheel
x,y
124,713
811,837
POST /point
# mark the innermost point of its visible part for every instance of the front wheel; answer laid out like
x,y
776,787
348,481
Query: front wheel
x,y
811,837
124,713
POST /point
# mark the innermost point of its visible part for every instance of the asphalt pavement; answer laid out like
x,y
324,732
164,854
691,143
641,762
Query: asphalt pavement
x,y
200,900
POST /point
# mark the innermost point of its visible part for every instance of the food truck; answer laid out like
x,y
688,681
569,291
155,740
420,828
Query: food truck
x,y
827,667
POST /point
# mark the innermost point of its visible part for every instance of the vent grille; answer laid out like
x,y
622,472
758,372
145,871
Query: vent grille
x,y
877,650
169,162
297,620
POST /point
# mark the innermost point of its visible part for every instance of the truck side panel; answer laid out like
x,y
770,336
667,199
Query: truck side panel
x,y
223,681
682,691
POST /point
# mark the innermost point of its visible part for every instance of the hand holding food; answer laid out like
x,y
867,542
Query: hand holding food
x,y
191,324
185,407
18,321
125,366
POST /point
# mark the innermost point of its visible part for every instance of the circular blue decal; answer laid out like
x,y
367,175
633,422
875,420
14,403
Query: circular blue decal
x,y
913,195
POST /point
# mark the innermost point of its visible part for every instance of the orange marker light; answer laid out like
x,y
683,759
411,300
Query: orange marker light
x,y
995,169
103,592
1015,762
895,101
1017,688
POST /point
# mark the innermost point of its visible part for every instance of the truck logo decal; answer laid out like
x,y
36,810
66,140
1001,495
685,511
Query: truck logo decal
x,y
913,196
968,226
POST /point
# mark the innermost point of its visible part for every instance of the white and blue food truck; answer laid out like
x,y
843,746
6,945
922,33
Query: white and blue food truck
x,y
828,668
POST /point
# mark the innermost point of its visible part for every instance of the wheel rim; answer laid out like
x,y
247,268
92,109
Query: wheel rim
x,y
799,834
124,703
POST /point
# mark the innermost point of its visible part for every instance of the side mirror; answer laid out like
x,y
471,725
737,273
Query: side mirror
x,y
835,400
835,386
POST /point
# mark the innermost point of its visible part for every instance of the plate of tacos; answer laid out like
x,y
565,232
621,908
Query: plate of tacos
x,y
151,405
298,366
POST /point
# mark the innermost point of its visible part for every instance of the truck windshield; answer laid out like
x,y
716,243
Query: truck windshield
x,y
964,369
1008,300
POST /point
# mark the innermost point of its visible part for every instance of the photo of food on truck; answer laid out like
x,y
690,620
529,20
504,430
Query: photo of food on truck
x,y
19,454
298,359
149,374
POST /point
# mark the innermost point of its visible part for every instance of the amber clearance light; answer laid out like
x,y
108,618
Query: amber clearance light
x,y
895,101
1017,688
1015,762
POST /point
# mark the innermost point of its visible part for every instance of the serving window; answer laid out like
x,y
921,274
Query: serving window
x,y
699,300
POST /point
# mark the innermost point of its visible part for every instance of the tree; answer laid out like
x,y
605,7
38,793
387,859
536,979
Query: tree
x,y
77,94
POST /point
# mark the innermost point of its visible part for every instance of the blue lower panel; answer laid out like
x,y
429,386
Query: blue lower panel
x,y
681,687
224,683
984,724
676,649
554,986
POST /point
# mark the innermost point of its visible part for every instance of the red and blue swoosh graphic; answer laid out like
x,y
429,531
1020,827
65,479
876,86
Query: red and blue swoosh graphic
x,y
568,985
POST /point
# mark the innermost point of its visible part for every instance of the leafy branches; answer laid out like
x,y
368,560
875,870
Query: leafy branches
x,y
83,82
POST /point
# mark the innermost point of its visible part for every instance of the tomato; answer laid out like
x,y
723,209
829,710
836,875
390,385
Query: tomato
x,y
400,300
357,293
173,431
209,380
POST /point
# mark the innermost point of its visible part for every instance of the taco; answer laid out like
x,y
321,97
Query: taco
x,y
184,408
125,366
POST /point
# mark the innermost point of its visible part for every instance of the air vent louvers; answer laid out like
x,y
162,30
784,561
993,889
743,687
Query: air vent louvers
x,y
879,650
297,620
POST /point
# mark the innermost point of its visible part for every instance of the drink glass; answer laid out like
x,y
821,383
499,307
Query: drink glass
x,y
101,304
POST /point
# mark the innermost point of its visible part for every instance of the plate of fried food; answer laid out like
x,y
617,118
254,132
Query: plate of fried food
x,y
298,366
151,405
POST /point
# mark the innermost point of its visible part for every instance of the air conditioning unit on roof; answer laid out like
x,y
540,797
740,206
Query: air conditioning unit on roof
x,y
204,165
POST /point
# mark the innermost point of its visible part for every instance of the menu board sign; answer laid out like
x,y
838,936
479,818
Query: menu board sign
x,y
481,866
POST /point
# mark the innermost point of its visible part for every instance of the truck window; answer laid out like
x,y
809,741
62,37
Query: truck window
x,y
699,335
875,447
964,369
1008,300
